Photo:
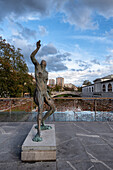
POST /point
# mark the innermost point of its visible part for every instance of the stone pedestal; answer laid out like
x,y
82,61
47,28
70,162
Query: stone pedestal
x,y
39,151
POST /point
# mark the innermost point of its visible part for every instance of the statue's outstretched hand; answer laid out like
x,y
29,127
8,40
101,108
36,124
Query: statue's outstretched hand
x,y
38,44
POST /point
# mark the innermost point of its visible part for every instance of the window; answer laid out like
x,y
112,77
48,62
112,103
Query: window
x,y
89,89
92,89
109,87
104,88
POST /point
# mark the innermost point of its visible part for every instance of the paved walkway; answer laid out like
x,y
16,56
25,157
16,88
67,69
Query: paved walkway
x,y
80,146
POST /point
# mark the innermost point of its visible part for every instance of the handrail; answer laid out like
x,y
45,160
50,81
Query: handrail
x,y
90,98
15,98
54,98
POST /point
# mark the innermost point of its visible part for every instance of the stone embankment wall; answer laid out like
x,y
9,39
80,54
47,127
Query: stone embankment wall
x,y
85,105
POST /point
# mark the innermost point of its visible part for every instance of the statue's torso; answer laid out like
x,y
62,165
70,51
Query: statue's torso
x,y
41,77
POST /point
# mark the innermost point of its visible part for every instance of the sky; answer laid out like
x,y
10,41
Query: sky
x,y
76,35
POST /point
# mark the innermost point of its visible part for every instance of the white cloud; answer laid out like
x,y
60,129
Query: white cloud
x,y
25,9
77,68
103,7
53,57
48,49
77,78
42,30
111,51
79,13
20,31
82,13
23,44
95,61
93,39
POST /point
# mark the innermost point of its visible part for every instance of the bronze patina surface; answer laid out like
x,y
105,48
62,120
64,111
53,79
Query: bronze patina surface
x,y
41,94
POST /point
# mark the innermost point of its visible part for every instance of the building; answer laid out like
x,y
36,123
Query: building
x,y
51,82
60,81
102,87
71,86
87,91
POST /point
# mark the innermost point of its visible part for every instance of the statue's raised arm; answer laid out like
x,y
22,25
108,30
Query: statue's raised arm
x,y
33,59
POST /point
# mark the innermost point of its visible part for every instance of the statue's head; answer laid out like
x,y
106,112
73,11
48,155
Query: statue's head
x,y
43,63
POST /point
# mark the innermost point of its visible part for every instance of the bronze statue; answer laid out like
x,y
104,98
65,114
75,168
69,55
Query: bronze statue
x,y
41,94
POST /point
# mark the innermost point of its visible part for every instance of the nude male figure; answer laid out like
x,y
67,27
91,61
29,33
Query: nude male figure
x,y
41,95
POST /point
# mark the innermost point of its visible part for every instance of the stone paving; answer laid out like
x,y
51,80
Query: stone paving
x,y
80,146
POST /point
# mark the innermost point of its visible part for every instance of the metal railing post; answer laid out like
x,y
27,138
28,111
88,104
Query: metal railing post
x,y
32,104
10,108
95,108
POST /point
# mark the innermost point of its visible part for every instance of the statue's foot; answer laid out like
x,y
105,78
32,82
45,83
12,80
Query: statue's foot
x,y
44,127
37,138
36,127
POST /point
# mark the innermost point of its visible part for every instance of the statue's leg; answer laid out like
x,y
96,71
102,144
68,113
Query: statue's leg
x,y
35,97
50,103
39,116
39,100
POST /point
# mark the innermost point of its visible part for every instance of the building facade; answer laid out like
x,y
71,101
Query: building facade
x,y
51,82
60,81
88,91
102,87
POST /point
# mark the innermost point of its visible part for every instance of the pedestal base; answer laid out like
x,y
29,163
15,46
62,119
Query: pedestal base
x,y
39,151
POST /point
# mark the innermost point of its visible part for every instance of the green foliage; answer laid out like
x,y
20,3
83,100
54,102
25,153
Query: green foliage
x,y
14,78
86,82
67,95
79,89
57,88
49,90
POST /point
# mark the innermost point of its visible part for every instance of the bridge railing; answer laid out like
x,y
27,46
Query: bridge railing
x,y
15,109
75,93
67,109
84,108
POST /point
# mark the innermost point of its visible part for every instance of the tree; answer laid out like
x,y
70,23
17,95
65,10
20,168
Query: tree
x,y
13,71
86,82
79,89
57,88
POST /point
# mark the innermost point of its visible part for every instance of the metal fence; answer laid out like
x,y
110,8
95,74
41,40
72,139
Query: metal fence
x,y
67,109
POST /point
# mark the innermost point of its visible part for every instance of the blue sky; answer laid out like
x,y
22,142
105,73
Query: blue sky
x,y
76,35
